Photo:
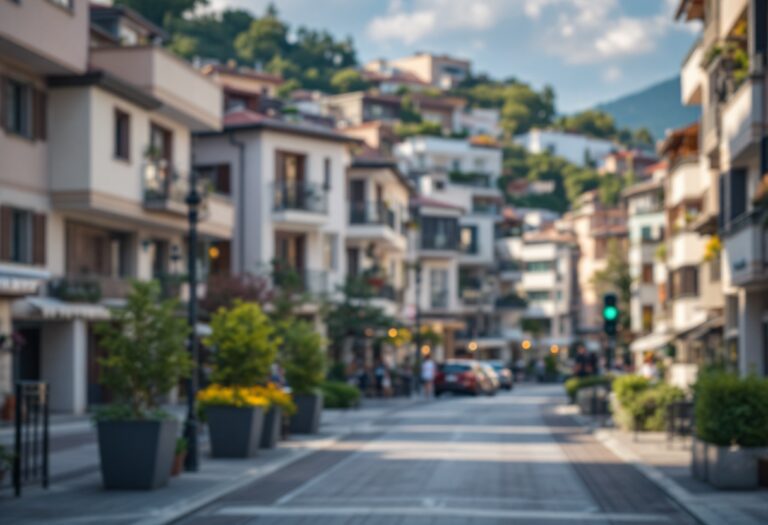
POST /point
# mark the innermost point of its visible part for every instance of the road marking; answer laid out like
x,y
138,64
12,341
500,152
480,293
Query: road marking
x,y
438,512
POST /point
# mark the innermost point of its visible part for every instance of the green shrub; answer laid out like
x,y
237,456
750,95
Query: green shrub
x,y
732,411
574,384
339,395
303,357
245,344
628,387
648,410
146,354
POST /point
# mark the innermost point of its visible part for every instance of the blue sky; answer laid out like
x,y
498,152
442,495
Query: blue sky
x,y
589,50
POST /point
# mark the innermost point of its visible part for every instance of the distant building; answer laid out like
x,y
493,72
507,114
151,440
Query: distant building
x,y
627,162
577,149
440,71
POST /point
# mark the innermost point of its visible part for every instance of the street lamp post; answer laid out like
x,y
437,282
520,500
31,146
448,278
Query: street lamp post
x,y
193,201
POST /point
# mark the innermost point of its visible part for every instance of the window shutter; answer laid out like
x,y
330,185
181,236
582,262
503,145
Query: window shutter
x,y
39,103
6,232
38,238
3,103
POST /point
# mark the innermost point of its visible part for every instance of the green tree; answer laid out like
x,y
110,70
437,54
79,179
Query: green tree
x,y
146,353
349,79
592,122
265,39
209,35
162,12
245,345
303,358
610,188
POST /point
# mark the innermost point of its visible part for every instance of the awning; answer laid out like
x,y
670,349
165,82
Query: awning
x,y
49,308
650,342
701,330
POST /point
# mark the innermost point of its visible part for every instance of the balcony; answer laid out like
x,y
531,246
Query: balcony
x,y
691,76
300,205
440,244
188,96
47,38
511,301
301,281
509,270
164,189
741,118
471,179
746,249
89,288
377,222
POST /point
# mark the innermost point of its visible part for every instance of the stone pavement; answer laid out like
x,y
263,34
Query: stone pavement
x,y
509,459
76,496
668,465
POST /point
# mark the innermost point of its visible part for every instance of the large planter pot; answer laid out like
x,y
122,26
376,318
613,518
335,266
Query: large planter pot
x,y
592,401
699,459
306,420
733,467
270,431
136,455
235,431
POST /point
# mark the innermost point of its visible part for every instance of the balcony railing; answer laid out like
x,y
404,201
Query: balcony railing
x,y
510,266
89,288
304,196
474,179
371,212
440,241
166,189
315,282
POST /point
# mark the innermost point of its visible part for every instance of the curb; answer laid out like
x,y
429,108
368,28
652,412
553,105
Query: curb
x,y
674,491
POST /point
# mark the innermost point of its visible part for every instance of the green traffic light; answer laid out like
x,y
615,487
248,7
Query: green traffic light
x,y
610,313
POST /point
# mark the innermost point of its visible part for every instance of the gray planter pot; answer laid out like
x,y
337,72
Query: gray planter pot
x,y
699,459
733,467
235,431
270,430
136,455
306,420
592,401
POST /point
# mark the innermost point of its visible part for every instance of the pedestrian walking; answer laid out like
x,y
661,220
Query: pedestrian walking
x,y
428,376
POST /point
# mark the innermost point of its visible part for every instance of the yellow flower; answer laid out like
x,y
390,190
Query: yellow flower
x,y
232,396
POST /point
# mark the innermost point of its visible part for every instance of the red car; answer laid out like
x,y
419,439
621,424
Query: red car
x,y
462,376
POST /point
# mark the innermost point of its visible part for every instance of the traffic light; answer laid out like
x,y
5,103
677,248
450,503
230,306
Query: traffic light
x,y
610,314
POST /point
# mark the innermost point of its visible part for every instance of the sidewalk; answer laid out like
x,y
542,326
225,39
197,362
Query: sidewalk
x,y
76,497
668,465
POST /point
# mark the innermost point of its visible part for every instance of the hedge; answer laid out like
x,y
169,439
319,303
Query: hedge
x,y
732,411
642,405
574,384
339,395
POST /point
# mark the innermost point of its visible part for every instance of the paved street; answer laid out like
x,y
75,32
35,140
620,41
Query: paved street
x,y
508,459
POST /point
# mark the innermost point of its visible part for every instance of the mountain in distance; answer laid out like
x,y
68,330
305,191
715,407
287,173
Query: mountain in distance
x,y
657,108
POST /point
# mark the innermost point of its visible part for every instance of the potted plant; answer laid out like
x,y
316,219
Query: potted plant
x,y
304,363
280,404
6,463
181,455
732,428
245,346
145,358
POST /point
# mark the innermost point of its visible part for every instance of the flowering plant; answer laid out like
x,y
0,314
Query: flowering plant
x,y
277,397
218,395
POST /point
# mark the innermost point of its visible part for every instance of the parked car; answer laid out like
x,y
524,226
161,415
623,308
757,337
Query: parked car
x,y
504,373
462,376
493,378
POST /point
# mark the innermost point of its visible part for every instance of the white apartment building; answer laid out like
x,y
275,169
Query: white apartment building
x,y
456,175
477,121
377,231
575,148
548,267
441,71
112,206
290,180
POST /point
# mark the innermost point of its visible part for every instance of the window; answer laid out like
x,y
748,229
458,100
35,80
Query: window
x,y
160,141
23,110
647,318
647,276
219,176
738,193
438,288
122,135
539,266
646,234
538,295
439,233
685,282
327,173
22,236
469,239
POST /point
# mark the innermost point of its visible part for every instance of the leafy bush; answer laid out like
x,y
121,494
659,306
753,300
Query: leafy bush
x,y
245,345
339,395
732,411
303,357
649,409
628,387
574,384
146,353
